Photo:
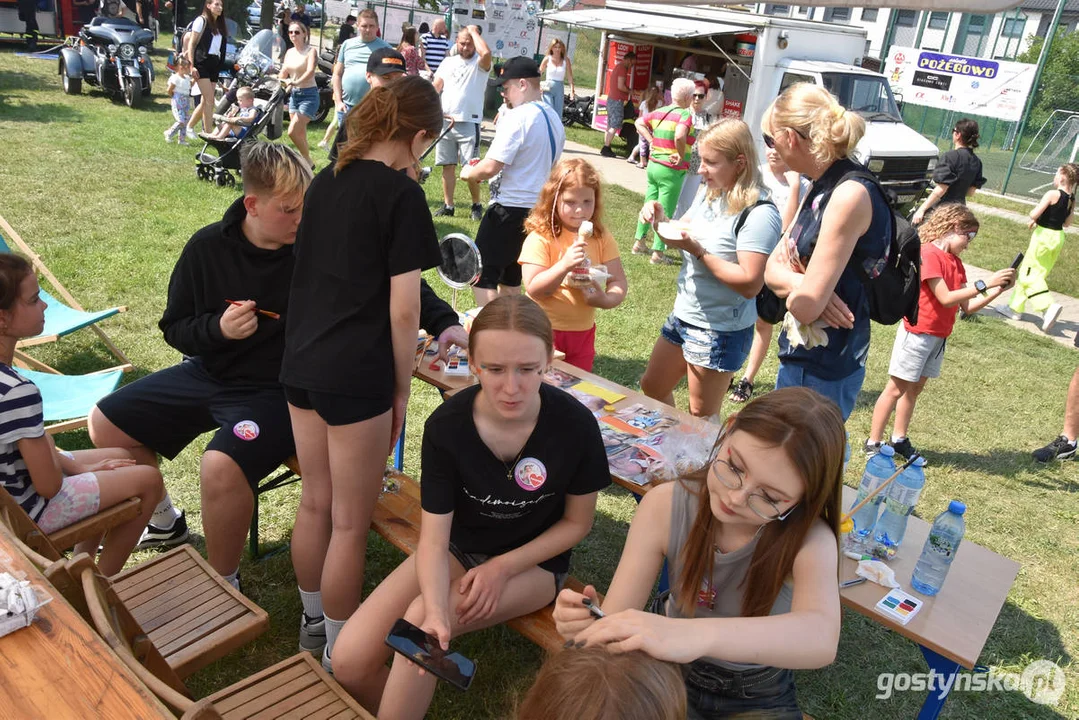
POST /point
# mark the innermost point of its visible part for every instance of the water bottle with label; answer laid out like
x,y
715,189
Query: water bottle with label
x,y
879,468
939,551
903,495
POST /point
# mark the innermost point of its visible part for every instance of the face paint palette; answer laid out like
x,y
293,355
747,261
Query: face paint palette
x,y
899,606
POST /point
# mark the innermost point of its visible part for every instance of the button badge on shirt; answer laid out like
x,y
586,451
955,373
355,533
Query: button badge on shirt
x,y
530,474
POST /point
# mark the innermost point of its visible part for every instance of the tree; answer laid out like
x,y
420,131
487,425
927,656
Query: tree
x,y
1059,85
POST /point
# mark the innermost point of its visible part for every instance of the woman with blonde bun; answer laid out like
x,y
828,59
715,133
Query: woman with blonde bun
x,y
842,231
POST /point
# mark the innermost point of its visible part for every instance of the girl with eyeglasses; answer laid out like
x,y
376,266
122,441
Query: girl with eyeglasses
x,y
919,348
751,546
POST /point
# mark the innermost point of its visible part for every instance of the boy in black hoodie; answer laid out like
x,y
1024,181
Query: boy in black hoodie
x,y
225,312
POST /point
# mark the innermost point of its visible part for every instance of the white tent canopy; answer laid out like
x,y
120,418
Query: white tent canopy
x,y
967,6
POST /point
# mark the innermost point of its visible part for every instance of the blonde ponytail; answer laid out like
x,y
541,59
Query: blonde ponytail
x,y
816,115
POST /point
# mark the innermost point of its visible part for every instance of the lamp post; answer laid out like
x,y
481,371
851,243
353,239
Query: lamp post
x,y
1043,56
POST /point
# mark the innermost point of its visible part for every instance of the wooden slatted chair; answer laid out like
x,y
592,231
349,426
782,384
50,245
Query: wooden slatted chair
x,y
191,614
70,536
397,518
295,688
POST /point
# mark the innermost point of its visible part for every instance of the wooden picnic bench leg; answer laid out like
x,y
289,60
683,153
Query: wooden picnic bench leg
x,y
945,670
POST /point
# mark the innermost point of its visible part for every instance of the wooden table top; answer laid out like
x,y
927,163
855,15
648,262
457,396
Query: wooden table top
x,y
60,668
957,621
632,397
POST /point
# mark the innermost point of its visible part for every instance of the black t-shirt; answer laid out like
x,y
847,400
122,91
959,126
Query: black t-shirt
x,y
959,169
360,227
493,514
345,33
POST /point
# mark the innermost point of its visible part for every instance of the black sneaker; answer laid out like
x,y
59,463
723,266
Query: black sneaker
x,y
444,211
477,211
904,448
606,151
162,537
1060,449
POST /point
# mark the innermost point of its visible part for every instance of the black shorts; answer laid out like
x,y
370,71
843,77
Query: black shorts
x,y
209,68
500,237
335,408
167,410
470,560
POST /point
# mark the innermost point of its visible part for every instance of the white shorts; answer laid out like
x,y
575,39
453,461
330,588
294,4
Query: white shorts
x,y
458,146
916,356
79,497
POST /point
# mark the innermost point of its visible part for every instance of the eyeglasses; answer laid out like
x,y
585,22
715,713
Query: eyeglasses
x,y
769,141
698,96
733,478
971,234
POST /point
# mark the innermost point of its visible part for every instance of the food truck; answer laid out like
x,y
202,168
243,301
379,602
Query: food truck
x,y
753,58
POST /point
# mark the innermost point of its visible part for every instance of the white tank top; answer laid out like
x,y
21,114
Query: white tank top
x,y
556,73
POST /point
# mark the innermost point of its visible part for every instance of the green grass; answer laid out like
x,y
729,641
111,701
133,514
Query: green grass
x,y
1003,203
90,186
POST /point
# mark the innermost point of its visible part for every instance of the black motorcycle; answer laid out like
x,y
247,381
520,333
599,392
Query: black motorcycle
x,y
577,110
113,54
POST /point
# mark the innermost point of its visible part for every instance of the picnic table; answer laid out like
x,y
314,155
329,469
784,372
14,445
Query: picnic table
x,y
951,628
59,667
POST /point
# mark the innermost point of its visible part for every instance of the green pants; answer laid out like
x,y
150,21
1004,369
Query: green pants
x,y
1030,281
664,184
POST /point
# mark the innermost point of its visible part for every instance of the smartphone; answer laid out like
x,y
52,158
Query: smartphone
x,y
424,650
1017,261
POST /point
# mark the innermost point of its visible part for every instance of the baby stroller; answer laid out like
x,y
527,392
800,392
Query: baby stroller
x,y
216,168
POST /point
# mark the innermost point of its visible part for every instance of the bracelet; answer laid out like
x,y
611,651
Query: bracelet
x,y
702,254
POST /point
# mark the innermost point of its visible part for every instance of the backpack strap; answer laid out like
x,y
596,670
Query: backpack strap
x,y
864,174
744,215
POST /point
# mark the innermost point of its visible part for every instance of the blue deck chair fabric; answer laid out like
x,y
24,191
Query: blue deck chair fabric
x,y
61,319
65,397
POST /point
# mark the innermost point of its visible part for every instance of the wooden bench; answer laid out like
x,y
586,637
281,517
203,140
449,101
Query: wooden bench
x,y
291,474
191,615
295,688
397,518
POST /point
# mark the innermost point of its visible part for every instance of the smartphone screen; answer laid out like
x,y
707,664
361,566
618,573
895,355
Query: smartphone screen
x,y
424,650
1018,259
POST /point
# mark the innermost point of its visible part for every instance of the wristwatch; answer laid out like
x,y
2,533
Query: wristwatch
x,y
980,286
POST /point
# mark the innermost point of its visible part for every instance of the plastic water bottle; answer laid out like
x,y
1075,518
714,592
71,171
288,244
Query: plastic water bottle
x,y
940,549
879,468
903,495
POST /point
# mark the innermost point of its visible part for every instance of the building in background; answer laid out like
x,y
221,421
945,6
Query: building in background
x,y
1001,36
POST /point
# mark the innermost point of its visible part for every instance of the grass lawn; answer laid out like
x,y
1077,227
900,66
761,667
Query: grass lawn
x,y
91,186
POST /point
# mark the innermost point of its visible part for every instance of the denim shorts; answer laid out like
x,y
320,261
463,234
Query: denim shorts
x,y
341,117
843,392
716,692
304,101
720,350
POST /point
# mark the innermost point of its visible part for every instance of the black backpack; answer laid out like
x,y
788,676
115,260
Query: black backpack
x,y
770,307
893,294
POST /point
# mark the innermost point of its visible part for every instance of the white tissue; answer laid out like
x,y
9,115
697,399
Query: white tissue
x,y
878,572
810,336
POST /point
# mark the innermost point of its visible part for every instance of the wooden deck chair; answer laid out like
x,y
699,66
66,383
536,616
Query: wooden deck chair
x,y
66,400
190,613
52,546
295,688
64,314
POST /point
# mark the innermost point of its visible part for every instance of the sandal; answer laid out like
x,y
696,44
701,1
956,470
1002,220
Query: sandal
x,y
639,248
661,260
741,391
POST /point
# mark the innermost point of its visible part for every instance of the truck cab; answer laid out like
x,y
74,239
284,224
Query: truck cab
x,y
901,157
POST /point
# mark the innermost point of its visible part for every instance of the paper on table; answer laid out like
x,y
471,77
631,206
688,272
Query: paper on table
x,y
610,396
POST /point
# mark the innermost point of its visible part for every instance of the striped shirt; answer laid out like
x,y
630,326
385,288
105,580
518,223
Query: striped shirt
x,y
20,418
662,123
435,50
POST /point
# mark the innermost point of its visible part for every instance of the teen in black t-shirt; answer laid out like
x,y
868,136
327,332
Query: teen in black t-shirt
x,y
350,336
511,472
958,174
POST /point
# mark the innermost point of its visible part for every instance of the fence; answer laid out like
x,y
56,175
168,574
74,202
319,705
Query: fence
x,y
1050,139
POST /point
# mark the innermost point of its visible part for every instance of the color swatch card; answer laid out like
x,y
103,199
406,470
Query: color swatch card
x,y
899,606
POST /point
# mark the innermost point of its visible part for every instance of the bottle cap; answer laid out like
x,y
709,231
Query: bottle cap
x,y
918,462
957,507
886,450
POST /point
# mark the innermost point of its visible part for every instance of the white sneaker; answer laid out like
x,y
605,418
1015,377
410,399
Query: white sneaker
x,y
1007,312
1049,319
168,137
184,142
327,664
322,144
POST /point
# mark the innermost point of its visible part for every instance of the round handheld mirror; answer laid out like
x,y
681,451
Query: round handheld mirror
x,y
461,265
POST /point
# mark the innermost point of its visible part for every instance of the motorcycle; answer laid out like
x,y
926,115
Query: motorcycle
x,y
110,53
577,110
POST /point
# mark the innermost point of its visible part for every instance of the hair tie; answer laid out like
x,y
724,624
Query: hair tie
x,y
840,112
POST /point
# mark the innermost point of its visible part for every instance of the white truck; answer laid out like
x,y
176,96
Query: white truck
x,y
763,55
